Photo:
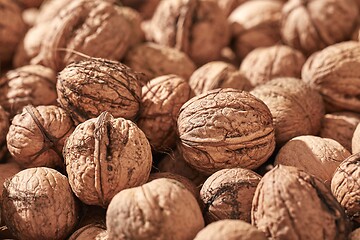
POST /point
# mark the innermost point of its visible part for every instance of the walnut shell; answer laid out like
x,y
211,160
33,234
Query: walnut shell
x,y
32,84
162,99
49,9
134,20
36,136
355,235
230,230
95,28
87,88
145,8
345,186
296,108
355,141
12,29
225,128
315,155
155,60
265,63
197,27
335,73
166,208
90,232
38,204
312,25
218,74
105,155
340,126
291,204
7,170
255,24
228,194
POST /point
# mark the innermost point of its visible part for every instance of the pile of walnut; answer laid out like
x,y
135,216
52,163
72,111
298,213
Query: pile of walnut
x,y
180,119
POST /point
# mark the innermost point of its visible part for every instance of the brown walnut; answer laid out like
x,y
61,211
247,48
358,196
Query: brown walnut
x,y
105,155
355,235
291,204
36,136
161,209
89,87
228,194
91,231
345,186
225,128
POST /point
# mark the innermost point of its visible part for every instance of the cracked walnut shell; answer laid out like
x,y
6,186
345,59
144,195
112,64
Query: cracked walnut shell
x,y
38,204
89,87
36,136
228,194
345,186
225,128
161,209
162,99
105,155
291,204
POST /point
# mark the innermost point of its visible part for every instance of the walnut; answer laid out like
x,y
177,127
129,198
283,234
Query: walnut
x,y
89,87
255,24
312,25
38,204
7,170
49,9
105,155
291,204
145,8
12,29
161,209
315,155
162,98
345,186
175,163
196,27
36,136
265,63
32,84
91,231
296,108
335,73
155,60
355,141
355,235
230,230
228,194
218,75
225,128
134,20
340,126
95,28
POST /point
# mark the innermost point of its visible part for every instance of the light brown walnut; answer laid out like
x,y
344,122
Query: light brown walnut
x,y
225,128
291,204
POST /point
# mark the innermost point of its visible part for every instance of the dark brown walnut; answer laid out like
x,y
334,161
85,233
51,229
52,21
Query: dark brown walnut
x,y
188,184
315,155
145,8
38,204
355,141
31,84
90,232
4,128
225,128
218,74
161,209
89,87
266,63
335,73
354,235
95,28
7,170
291,204
155,60
162,99
228,194
230,230
345,186
105,155
255,24
174,162
197,27
36,136
12,29
340,126
312,25
296,108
